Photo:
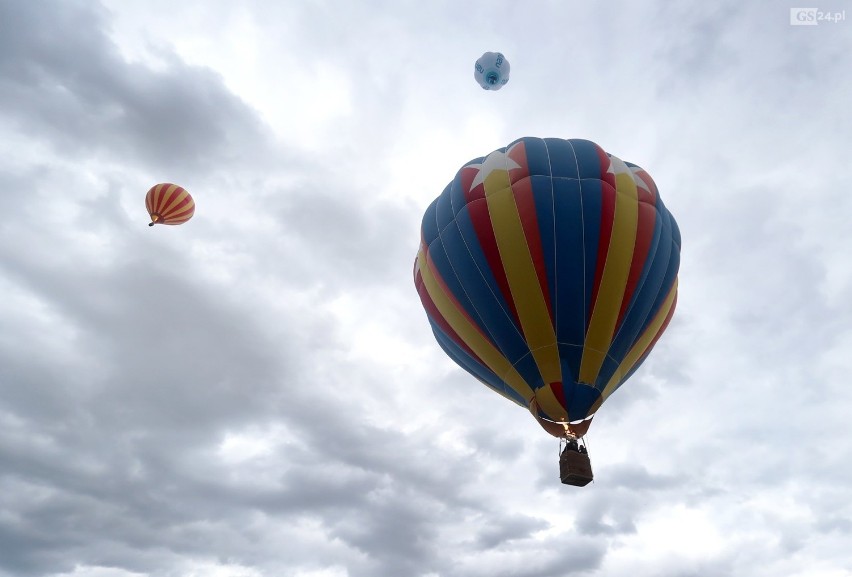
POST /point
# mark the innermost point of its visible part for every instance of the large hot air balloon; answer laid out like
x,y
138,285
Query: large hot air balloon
x,y
491,71
548,270
169,204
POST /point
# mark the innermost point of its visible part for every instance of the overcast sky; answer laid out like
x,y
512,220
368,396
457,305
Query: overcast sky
x,y
258,392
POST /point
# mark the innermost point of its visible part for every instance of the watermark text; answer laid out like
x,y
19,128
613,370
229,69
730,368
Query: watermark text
x,y
815,16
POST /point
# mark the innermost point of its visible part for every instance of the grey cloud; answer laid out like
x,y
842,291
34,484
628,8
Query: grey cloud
x,y
342,231
636,477
511,528
562,555
609,512
64,80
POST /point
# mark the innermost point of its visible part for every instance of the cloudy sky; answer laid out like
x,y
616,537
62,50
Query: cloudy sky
x,y
258,392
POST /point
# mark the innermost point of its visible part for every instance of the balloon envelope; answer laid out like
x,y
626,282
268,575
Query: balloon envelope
x,y
548,270
491,71
169,204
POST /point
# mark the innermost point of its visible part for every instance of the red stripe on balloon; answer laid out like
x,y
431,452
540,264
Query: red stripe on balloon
x,y
644,235
607,218
455,303
436,316
481,220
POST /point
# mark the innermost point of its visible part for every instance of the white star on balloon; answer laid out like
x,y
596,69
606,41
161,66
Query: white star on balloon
x,y
610,169
497,160
640,182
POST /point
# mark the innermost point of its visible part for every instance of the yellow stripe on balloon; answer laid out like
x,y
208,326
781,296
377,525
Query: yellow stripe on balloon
x,y
521,274
469,333
614,278
551,406
180,197
641,345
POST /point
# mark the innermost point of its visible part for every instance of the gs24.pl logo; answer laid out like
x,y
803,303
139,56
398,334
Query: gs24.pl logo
x,y
814,16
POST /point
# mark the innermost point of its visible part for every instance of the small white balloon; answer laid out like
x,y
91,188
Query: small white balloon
x,y
491,71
